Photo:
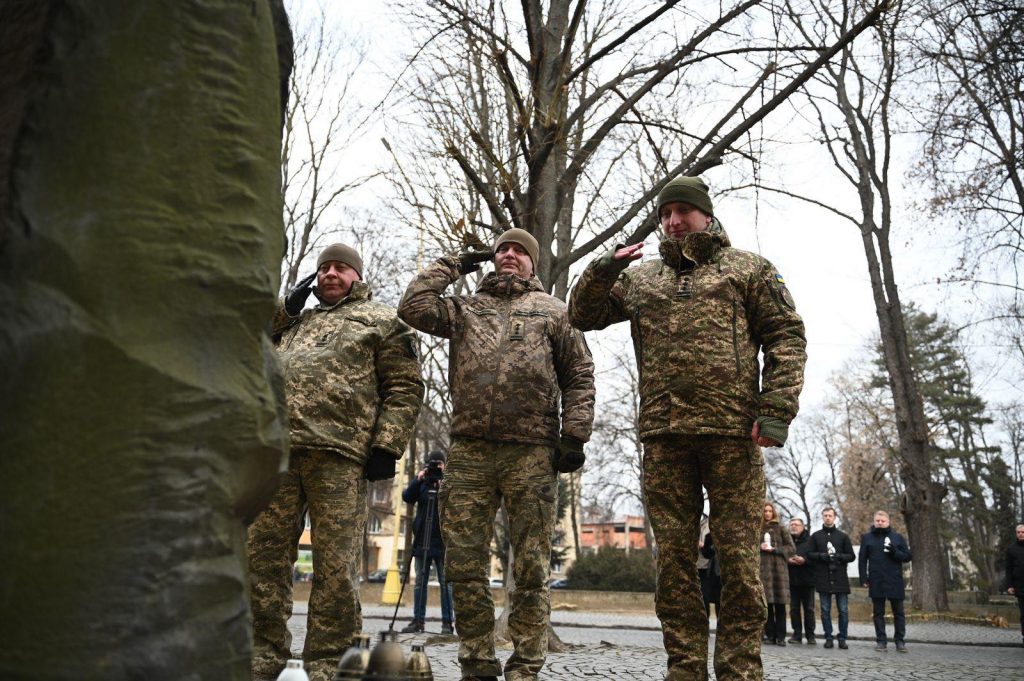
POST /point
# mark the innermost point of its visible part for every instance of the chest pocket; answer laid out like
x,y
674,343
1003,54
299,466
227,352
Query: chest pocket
x,y
357,331
483,311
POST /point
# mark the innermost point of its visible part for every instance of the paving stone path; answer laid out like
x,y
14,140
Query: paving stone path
x,y
624,646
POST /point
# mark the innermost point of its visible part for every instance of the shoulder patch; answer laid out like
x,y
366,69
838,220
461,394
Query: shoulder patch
x,y
782,292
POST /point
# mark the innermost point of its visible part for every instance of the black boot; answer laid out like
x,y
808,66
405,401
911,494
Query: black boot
x,y
413,627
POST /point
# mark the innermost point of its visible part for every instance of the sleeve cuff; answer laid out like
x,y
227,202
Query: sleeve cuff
x,y
387,450
773,428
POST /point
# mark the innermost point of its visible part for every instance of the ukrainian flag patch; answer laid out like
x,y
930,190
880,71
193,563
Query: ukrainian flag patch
x,y
779,279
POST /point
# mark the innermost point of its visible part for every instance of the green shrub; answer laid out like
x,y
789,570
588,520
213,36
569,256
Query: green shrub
x,y
612,569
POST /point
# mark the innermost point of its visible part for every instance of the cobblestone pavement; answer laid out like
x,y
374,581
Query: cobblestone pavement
x,y
622,647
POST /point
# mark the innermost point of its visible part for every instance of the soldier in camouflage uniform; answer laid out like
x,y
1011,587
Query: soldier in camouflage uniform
x,y
699,316
353,387
513,359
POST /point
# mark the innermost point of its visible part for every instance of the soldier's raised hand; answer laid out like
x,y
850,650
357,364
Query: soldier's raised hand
x,y
469,261
631,252
295,300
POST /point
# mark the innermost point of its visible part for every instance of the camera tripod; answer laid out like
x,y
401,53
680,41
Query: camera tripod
x,y
428,531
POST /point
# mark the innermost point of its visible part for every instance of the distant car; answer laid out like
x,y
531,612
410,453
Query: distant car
x,y
562,583
495,582
377,576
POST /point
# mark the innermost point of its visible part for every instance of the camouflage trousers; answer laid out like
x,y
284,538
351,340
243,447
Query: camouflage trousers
x,y
333,490
478,476
675,468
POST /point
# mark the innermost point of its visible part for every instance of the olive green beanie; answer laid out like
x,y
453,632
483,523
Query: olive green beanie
x,y
524,239
341,253
691,190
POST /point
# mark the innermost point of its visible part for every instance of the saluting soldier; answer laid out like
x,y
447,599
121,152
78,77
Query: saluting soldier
x,y
522,388
699,315
353,389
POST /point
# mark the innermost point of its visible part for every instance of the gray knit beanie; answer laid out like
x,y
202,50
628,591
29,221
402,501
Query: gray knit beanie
x,y
341,253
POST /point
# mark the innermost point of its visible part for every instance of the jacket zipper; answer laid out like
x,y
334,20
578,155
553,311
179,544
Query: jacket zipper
x,y
735,340
504,321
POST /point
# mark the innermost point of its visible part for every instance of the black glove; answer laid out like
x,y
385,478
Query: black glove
x,y
469,261
568,456
295,300
379,466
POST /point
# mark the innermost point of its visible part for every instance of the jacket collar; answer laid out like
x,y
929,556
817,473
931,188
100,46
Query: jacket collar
x,y
508,285
880,531
695,248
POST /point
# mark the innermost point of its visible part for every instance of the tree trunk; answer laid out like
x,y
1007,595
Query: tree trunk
x,y
546,166
921,504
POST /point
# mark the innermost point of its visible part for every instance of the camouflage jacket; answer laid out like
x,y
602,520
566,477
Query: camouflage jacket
x,y
352,376
698,318
512,356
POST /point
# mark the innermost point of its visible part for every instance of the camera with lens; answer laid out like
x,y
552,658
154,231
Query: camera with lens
x,y
434,472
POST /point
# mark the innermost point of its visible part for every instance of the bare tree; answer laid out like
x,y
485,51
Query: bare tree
x,y
792,471
854,435
563,120
852,99
1011,418
322,120
971,59
614,477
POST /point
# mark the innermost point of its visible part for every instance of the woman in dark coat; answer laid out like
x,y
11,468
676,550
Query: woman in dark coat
x,y
776,549
710,577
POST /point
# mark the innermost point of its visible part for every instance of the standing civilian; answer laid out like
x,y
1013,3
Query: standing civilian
x,y
1015,574
830,552
882,555
801,584
776,549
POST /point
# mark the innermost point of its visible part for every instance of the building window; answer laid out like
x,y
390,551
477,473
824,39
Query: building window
x,y
373,525
381,494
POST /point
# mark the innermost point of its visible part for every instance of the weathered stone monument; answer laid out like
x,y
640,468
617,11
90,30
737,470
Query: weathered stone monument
x,y
140,242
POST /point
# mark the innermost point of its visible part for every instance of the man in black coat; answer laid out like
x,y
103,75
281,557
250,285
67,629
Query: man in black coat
x,y
1015,574
882,555
801,584
829,552
422,491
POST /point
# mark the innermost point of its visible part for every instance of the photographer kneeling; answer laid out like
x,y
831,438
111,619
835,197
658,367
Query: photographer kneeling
x,y
428,547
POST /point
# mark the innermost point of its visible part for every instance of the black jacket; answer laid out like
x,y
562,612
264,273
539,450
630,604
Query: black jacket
x,y
883,570
830,568
418,492
802,575
711,578
1015,567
